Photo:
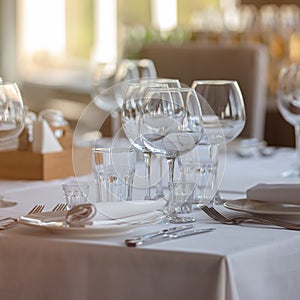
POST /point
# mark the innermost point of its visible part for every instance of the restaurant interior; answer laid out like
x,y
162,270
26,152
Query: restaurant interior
x,y
179,182
58,66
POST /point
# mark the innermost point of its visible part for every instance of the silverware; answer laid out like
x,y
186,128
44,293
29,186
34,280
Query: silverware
x,y
60,207
166,235
236,220
144,237
57,214
10,222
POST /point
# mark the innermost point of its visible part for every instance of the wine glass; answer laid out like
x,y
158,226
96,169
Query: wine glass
x,y
171,83
130,115
12,113
223,111
110,100
223,106
288,101
171,125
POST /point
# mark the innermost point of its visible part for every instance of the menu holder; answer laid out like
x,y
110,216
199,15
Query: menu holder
x,y
27,165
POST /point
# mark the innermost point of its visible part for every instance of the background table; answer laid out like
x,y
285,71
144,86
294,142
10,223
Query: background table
x,y
232,262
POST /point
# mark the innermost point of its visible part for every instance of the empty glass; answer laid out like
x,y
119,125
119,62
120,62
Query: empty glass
x,y
113,170
75,193
202,164
12,112
171,125
288,101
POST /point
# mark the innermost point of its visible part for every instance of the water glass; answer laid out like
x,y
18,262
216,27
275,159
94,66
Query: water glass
x,y
75,193
202,163
113,170
183,191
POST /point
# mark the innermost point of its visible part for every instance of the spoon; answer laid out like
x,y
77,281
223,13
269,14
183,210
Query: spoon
x,y
5,203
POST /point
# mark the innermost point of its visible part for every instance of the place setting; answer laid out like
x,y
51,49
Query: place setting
x,y
165,125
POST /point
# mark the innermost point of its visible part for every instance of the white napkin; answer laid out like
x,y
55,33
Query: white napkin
x,y
108,213
275,193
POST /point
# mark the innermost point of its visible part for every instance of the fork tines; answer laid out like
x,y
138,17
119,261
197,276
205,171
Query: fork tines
x,y
60,207
36,209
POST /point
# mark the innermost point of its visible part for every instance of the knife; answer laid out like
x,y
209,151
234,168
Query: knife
x,y
165,231
166,236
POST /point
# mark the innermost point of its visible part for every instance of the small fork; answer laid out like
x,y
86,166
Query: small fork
x,y
10,221
236,220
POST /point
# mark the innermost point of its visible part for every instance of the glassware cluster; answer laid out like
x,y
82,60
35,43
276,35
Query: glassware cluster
x,y
176,128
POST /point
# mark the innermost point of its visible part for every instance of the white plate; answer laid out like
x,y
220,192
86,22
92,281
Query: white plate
x,y
260,207
92,230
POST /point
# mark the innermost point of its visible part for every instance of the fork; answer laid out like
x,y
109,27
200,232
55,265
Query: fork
x,y
10,221
236,220
59,207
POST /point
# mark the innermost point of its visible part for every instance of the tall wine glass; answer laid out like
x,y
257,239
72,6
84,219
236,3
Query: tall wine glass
x,y
171,125
130,115
171,83
223,111
288,101
110,100
12,113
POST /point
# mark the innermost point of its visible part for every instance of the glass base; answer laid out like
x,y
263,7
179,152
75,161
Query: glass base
x,y
294,172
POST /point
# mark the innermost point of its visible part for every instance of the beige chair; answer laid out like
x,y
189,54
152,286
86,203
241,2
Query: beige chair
x,y
248,64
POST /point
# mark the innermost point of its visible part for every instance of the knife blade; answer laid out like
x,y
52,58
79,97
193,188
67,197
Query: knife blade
x,y
165,231
167,236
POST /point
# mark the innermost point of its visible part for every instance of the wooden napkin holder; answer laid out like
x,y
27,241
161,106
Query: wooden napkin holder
x,y
27,165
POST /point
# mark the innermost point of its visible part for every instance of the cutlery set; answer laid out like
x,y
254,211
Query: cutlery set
x,y
166,234
9,222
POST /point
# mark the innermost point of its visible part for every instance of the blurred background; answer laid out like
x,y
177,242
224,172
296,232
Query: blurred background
x,y
55,48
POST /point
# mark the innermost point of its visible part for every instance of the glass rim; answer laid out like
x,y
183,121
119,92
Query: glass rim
x,y
112,149
173,89
214,81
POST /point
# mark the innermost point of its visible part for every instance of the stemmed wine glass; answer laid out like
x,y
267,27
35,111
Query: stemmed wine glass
x,y
223,110
171,125
12,113
171,83
130,115
110,100
223,106
288,101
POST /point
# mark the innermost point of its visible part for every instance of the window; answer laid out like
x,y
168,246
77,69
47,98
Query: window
x,y
55,34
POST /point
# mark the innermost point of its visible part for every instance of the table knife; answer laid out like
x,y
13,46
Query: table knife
x,y
144,237
166,236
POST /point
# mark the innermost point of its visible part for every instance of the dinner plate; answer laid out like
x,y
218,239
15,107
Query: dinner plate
x,y
100,229
260,207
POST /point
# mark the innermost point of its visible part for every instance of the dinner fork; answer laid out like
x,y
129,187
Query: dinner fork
x,y
236,220
59,207
10,221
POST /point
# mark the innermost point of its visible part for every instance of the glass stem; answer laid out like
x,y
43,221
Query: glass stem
x,y
147,159
115,122
159,186
171,163
297,141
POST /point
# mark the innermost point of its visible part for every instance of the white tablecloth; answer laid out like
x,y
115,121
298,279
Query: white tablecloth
x,y
232,262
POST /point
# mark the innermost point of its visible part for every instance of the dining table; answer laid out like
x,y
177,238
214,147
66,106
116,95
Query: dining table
x,y
233,262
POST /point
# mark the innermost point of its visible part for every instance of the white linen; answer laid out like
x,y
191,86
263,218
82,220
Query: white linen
x,y
282,193
247,262
119,211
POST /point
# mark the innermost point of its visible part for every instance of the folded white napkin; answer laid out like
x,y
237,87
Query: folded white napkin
x,y
276,193
109,213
